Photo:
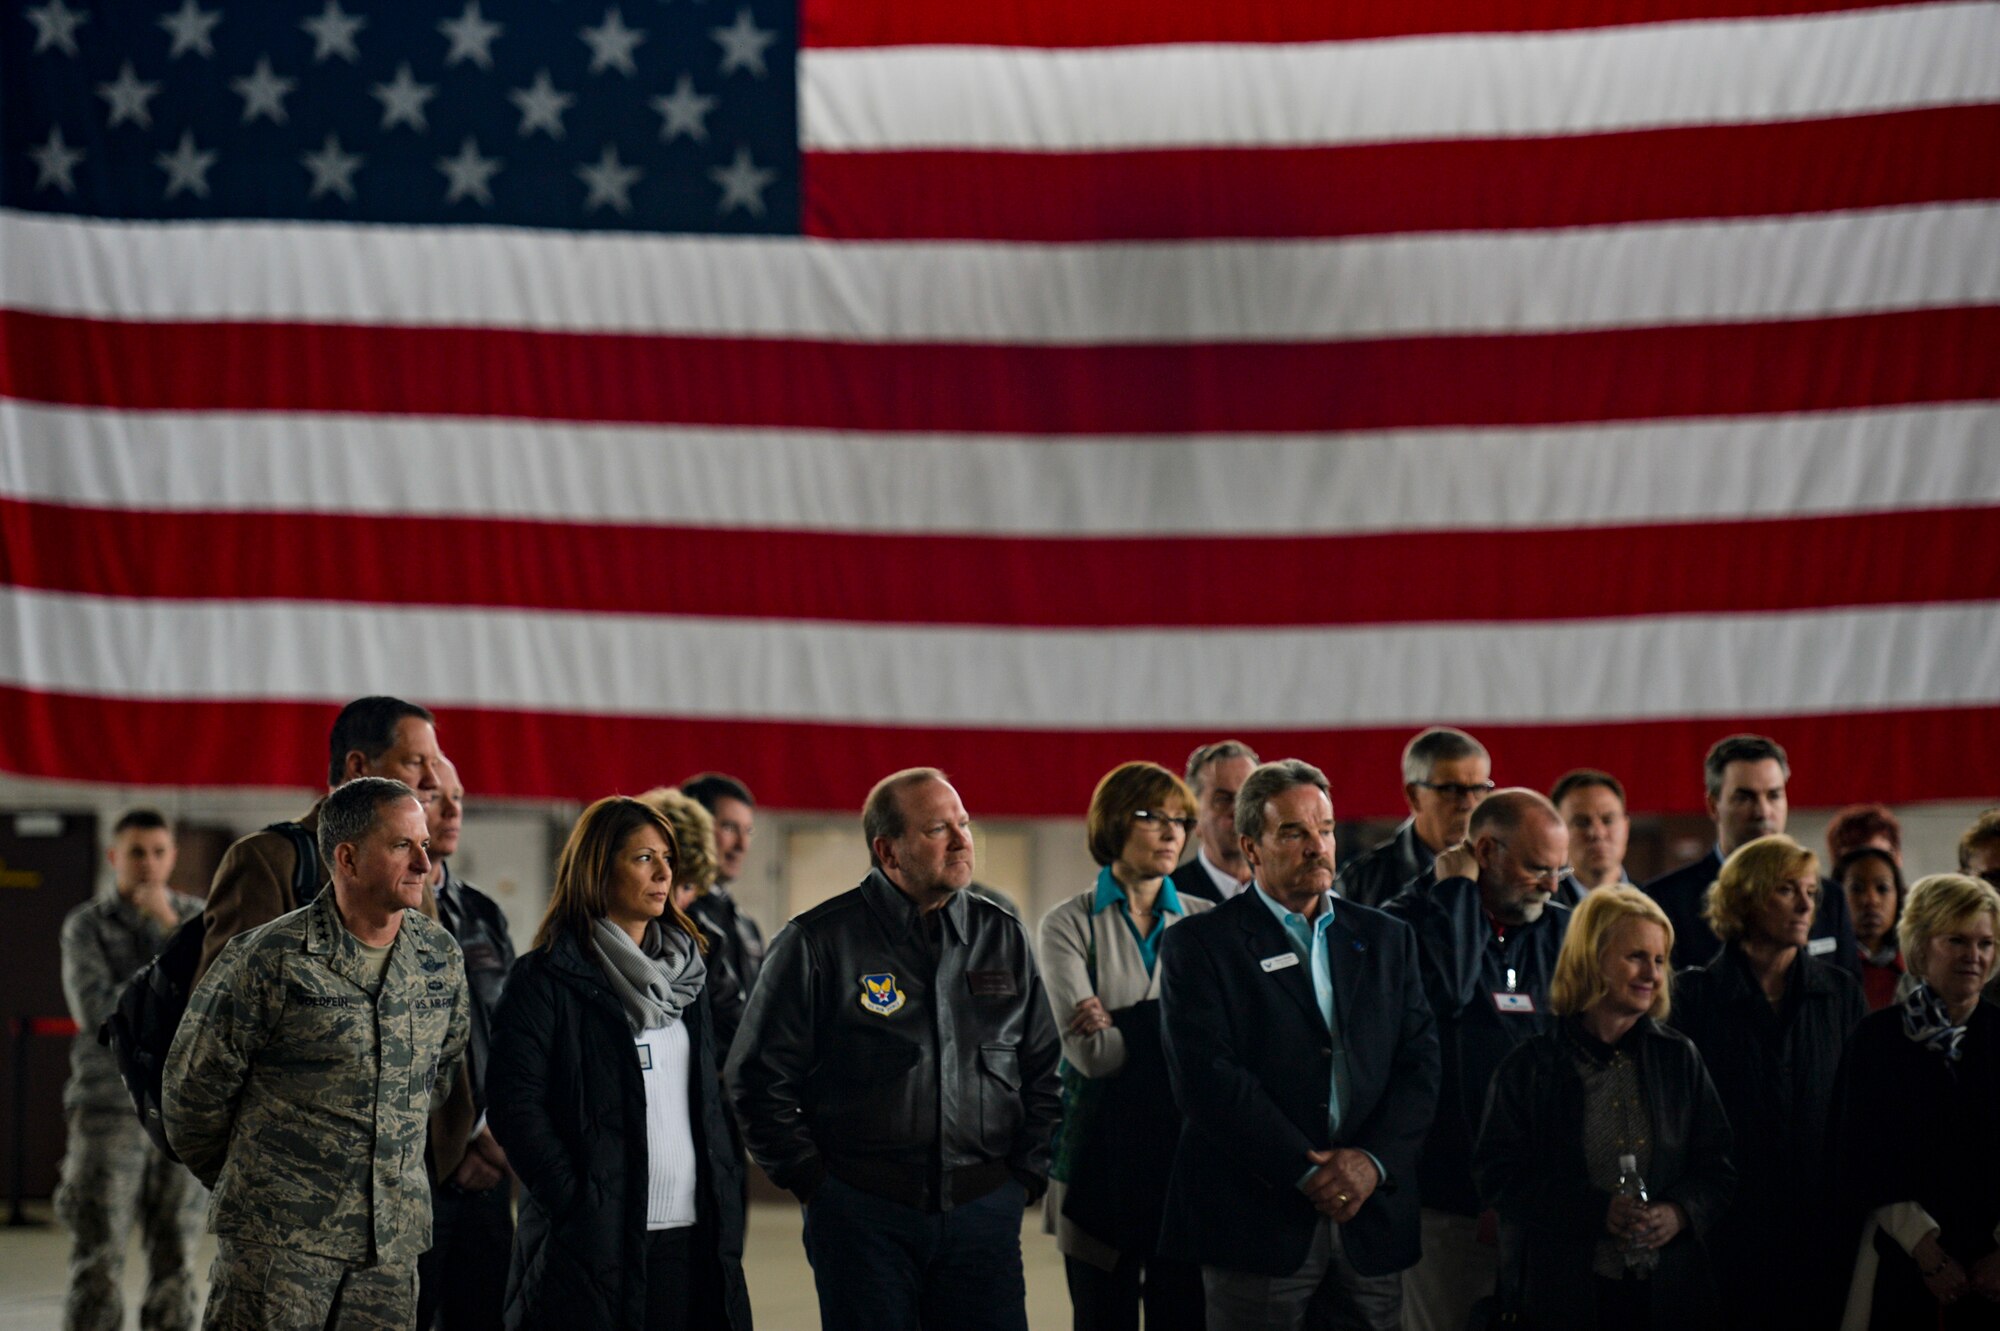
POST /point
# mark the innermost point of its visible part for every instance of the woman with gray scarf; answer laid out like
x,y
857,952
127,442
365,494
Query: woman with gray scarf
x,y
598,1091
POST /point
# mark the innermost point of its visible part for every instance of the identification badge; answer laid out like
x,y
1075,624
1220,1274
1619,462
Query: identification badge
x,y
645,1058
1513,1002
880,995
1819,947
1279,962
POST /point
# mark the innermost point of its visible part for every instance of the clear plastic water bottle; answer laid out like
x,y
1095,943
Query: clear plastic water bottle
x,y
1639,1259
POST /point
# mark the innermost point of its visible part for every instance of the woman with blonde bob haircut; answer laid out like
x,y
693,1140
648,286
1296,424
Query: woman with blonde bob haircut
x,y
1918,1101
1771,1021
1100,952
1569,1109
1750,877
602,1089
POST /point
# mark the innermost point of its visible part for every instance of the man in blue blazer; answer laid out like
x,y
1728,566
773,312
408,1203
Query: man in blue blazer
x,y
1305,1059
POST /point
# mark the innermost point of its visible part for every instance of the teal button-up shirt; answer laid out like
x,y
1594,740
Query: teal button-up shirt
x,y
1308,940
1111,893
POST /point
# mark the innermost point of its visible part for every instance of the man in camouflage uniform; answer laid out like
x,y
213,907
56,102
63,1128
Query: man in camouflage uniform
x,y
300,1083
112,1174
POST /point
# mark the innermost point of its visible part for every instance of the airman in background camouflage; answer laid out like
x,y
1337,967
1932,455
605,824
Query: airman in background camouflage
x,y
113,1177
300,1083
112,1174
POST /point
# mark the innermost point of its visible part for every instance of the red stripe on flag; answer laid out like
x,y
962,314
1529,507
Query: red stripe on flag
x,y
1911,755
1503,379
1381,578
1372,189
1062,23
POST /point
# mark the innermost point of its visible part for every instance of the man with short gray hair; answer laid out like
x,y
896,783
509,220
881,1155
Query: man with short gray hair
x,y
1305,1060
1217,870
299,1084
1446,773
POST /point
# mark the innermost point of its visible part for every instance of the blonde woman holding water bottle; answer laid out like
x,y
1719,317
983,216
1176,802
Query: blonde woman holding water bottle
x,y
1604,1148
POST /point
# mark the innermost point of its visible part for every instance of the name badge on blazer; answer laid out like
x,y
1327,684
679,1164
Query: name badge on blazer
x,y
1279,962
645,1057
1512,1002
1819,947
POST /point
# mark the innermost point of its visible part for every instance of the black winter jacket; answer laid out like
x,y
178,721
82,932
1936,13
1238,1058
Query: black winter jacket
x,y
568,1105
1529,1165
1782,1253
926,1080
1911,1127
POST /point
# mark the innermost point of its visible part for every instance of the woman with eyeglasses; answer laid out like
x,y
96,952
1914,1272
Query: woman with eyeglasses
x,y
1099,953
602,1090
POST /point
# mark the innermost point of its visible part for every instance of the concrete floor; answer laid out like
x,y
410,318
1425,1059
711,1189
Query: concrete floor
x,y
33,1261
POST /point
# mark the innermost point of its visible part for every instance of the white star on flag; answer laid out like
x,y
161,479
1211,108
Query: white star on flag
x,y
468,174
743,184
684,111
191,26
55,25
332,170
611,44
403,100
333,33
609,180
743,44
263,92
55,162
186,167
127,96
471,37
541,106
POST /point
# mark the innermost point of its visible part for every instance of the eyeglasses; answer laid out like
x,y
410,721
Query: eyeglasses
x,y
1457,790
1164,819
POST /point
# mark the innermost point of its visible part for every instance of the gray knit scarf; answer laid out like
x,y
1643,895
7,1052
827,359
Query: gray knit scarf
x,y
655,984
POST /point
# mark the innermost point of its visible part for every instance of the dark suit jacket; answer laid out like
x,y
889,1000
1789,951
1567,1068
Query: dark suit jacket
x,y
1192,880
1680,893
1250,1064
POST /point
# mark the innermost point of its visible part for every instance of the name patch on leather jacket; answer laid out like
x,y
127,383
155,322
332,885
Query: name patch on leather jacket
x,y
991,984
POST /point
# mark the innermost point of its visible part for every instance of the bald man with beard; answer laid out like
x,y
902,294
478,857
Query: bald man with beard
x,y
1488,932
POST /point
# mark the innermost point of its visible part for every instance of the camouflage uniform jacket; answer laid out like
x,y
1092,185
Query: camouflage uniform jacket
x,y
302,1101
104,941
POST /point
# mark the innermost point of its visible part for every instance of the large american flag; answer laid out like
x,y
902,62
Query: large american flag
x,y
1021,387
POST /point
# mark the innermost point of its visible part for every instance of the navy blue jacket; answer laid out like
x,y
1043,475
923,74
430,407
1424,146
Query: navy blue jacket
x,y
1251,1064
1465,965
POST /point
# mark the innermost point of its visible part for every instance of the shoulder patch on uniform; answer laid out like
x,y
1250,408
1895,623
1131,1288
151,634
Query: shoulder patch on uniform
x,y
880,995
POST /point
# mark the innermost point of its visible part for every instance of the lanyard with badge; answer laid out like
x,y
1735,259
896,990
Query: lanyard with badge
x,y
1511,999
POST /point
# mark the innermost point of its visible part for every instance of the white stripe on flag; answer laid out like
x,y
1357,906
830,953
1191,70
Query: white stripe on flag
x,y
1576,278
1477,85
1576,476
1666,666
